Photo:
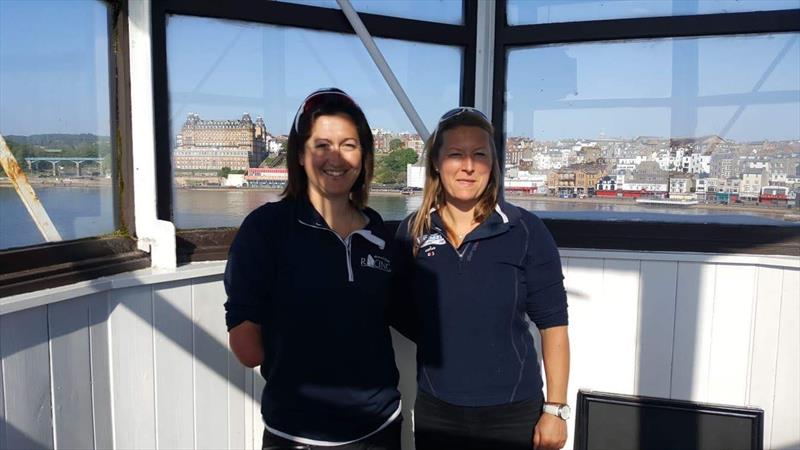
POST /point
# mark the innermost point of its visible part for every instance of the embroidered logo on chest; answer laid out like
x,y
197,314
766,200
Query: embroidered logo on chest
x,y
429,242
377,262
431,239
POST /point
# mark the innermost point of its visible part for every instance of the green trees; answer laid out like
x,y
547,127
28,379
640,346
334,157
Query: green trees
x,y
391,169
395,144
225,171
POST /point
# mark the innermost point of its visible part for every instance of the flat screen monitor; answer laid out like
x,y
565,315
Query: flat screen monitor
x,y
606,421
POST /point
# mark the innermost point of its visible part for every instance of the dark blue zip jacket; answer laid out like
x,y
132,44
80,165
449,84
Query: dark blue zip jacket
x,y
321,302
474,347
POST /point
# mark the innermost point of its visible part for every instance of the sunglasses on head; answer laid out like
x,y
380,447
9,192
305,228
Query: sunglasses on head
x,y
319,97
455,112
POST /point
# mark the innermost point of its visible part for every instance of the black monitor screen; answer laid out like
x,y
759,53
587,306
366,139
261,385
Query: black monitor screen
x,y
626,422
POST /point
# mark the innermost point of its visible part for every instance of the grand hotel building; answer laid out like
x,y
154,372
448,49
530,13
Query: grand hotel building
x,y
213,144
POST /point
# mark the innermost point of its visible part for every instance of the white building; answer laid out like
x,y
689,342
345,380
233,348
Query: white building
x,y
630,163
730,185
752,182
415,176
526,181
235,180
705,186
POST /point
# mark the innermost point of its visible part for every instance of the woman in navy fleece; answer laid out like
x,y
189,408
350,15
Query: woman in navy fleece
x,y
308,281
478,268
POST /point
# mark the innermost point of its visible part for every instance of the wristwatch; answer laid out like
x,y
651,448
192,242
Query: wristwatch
x,y
559,410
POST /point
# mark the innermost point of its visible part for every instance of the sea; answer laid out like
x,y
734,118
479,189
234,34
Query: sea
x,y
79,212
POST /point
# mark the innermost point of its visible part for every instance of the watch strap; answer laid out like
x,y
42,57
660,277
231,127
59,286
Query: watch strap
x,y
562,411
551,408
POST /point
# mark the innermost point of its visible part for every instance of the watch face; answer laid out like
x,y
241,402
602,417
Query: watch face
x,y
564,412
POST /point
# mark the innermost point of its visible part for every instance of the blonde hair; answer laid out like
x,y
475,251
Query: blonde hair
x,y
433,194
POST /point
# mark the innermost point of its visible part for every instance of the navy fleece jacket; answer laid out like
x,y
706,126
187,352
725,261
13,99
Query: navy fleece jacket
x,y
474,347
322,303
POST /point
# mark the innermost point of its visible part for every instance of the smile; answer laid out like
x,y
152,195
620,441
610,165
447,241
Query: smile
x,y
334,172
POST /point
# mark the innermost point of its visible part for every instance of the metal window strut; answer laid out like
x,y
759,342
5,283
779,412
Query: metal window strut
x,y
27,194
383,67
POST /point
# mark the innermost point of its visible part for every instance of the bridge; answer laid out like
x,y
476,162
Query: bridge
x,y
56,160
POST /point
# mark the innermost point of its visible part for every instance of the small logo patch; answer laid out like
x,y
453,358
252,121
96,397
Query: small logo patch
x,y
431,239
377,262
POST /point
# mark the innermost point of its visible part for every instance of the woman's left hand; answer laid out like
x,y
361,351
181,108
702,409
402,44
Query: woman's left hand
x,y
550,433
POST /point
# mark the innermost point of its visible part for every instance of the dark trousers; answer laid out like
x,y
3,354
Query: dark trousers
x,y
386,439
443,426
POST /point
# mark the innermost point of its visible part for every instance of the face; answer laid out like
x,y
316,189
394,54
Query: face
x,y
332,157
465,165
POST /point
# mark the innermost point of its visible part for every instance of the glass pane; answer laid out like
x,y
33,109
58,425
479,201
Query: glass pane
x,y
54,115
668,129
526,12
254,76
445,11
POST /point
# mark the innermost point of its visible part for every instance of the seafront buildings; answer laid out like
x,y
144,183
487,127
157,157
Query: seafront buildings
x,y
209,145
706,169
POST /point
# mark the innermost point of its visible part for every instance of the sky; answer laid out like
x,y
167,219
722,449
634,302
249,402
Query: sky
x,y
523,12
54,73
53,67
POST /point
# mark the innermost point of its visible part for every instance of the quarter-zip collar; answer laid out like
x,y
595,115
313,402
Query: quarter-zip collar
x,y
308,215
501,220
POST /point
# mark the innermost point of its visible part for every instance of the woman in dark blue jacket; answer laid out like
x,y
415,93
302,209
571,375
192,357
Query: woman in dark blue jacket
x,y
478,269
308,281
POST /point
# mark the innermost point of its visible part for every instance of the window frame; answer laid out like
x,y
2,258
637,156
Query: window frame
x,y
297,16
635,235
49,265
53,264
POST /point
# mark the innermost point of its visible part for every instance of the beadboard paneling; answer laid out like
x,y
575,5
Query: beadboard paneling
x,y
657,296
148,366
175,402
132,365
694,310
25,350
786,410
70,358
764,357
211,366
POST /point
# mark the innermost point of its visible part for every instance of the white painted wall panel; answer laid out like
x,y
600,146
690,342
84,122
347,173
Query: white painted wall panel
x,y
694,311
258,421
581,280
786,411
249,401
615,316
71,372
3,443
25,352
763,359
405,353
237,394
602,331
131,324
580,275
172,318
100,347
656,324
211,365
735,341
730,334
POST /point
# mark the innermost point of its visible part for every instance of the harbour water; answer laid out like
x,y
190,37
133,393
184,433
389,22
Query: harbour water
x,y
88,211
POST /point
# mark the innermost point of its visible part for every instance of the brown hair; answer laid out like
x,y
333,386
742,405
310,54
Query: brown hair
x,y
297,184
433,193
